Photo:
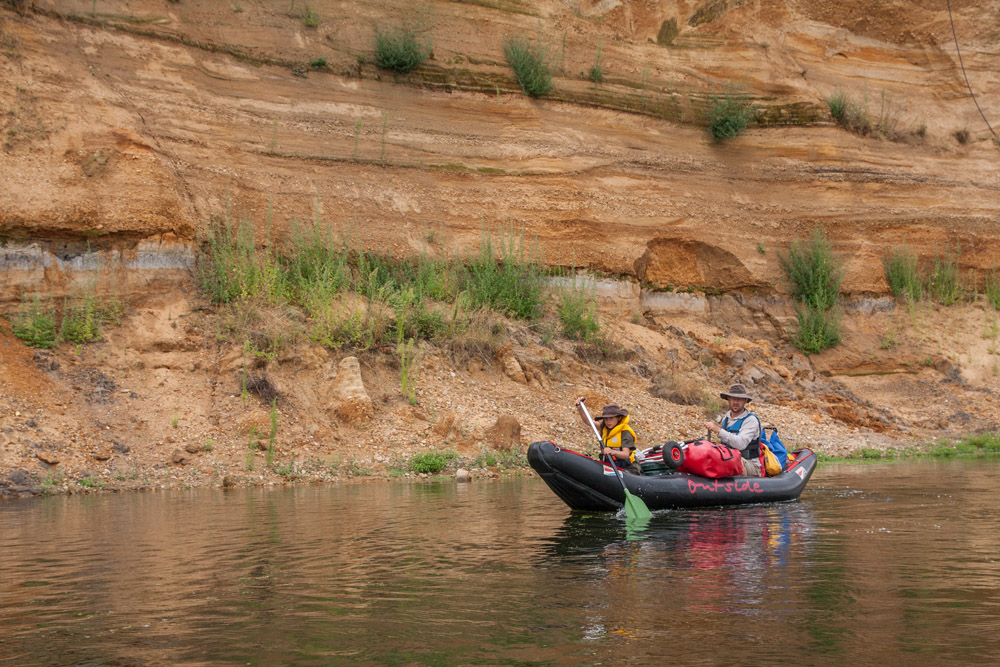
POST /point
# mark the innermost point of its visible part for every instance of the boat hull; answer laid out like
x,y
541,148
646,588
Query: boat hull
x,y
584,483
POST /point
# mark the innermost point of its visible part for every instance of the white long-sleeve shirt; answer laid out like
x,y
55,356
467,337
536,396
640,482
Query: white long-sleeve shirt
x,y
749,430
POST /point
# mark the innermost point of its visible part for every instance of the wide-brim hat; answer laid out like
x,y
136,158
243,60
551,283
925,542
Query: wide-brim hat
x,y
736,391
612,411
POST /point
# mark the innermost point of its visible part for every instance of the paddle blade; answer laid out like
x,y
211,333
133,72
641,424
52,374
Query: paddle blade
x,y
635,508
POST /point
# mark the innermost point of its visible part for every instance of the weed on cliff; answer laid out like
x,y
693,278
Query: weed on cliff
x,y
815,273
857,116
402,48
814,270
903,274
992,289
596,73
531,64
430,463
35,323
507,276
730,113
818,329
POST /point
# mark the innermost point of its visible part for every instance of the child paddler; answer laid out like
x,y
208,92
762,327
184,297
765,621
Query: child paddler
x,y
618,437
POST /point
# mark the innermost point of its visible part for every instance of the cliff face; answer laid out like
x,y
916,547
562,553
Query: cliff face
x,y
130,123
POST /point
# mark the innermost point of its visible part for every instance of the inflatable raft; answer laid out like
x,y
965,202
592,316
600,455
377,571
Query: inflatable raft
x,y
585,483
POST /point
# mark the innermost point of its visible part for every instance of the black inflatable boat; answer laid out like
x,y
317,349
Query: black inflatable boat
x,y
585,483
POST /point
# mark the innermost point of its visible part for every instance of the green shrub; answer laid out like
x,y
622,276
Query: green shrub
x,y
400,47
81,321
987,442
431,462
232,268
511,285
35,324
530,62
730,114
818,329
943,284
310,18
578,314
318,63
838,104
993,289
814,271
903,274
597,69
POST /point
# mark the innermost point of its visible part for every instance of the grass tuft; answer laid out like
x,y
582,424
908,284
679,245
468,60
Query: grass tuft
x,y
815,274
430,463
531,64
400,47
903,275
730,114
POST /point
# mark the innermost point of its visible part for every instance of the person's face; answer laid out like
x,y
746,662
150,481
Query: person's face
x,y
736,405
611,422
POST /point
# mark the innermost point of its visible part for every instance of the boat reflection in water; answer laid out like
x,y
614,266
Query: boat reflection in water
x,y
686,567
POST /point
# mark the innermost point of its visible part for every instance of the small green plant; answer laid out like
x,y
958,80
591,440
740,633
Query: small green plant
x,y
50,481
760,248
35,324
943,283
400,47
287,470
902,274
818,329
431,462
814,271
318,63
91,482
992,288
251,448
407,370
310,18
888,340
530,62
174,421
272,436
209,444
730,114
578,313
838,103
597,69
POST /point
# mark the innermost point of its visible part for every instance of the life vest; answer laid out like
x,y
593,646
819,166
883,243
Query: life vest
x,y
613,438
752,450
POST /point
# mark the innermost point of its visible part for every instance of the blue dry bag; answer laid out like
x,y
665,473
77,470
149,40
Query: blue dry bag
x,y
775,445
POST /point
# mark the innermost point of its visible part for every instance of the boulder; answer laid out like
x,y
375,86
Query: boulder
x,y
461,475
505,434
510,365
350,402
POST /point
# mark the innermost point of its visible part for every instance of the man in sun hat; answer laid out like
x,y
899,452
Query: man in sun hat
x,y
616,434
740,429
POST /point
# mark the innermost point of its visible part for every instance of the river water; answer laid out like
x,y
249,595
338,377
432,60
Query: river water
x,y
875,564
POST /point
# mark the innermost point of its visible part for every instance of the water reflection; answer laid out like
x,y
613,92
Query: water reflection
x,y
868,566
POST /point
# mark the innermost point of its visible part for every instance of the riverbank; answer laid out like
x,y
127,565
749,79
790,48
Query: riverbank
x,y
166,401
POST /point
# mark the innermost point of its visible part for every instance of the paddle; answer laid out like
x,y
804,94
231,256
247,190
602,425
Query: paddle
x,y
634,507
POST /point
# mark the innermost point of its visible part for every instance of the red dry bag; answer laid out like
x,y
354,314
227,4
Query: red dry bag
x,y
710,459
